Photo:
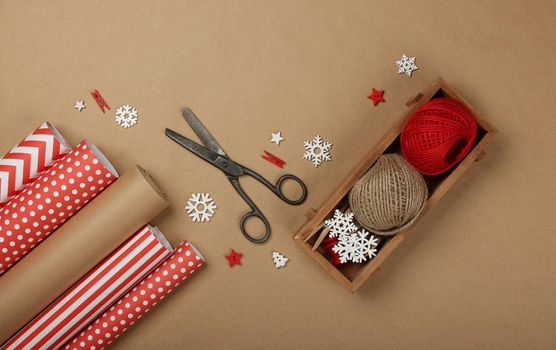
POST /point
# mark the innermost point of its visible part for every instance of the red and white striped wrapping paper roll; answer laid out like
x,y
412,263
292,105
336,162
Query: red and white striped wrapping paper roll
x,y
53,198
30,158
142,298
95,292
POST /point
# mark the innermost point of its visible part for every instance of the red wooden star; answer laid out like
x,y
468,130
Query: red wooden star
x,y
234,258
376,96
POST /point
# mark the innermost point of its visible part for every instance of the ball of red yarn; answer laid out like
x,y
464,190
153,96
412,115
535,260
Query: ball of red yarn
x,y
438,135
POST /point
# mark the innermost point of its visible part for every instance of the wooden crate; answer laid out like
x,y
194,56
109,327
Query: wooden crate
x,y
352,275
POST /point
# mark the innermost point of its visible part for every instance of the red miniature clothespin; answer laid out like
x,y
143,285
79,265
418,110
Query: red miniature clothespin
x,y
100,101
273,159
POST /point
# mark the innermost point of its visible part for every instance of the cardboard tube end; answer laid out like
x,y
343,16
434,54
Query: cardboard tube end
x,y
58,136
102,158
197,251
151,182
161,238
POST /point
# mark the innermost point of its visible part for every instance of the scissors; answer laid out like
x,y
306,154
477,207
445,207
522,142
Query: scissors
x,y
215,155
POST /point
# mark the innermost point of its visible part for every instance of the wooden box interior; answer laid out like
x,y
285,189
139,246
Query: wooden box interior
x,y
353,275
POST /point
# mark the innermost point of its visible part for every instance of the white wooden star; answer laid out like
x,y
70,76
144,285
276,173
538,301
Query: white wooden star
x,y
406,65
79,105
276,137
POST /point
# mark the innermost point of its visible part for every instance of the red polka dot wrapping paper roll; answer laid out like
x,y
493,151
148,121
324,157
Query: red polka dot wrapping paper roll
x,y
52,199
29,159
94,292
140,300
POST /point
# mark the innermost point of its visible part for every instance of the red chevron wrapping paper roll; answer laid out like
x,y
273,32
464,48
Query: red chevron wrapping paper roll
x,y
30,158
142,298
54,197
95,292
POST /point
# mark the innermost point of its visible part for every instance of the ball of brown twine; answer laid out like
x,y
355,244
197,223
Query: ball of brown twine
x,y
389,197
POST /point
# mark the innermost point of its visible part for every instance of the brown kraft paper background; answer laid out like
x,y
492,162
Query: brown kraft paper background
x,y
478,272
76,247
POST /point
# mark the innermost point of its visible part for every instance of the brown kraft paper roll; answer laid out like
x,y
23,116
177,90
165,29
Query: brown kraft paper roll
x,y
93,233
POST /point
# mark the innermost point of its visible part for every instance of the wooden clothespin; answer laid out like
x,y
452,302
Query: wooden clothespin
x,y
99,100
273,159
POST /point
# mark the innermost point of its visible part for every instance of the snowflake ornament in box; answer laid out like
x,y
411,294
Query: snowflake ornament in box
x,y
356,247
279,260
126,116
341,224
317,150
200,207
406,65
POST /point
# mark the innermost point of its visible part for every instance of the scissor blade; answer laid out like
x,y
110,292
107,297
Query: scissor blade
x,y
201,151
202,132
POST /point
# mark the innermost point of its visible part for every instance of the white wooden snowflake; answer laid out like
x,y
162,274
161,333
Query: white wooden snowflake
x,y
279,260
341,224
345,247
126,116
317,150
406,65
356,247
200,207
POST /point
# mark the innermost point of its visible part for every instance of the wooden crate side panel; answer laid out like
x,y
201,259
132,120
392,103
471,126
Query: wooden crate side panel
x,y
325,264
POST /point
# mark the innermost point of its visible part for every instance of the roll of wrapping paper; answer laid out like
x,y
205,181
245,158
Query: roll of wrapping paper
x,y
31,157
53,198
76,247
140,300
94,292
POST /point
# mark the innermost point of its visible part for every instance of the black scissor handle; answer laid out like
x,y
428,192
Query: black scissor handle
x,y
277,189
254,213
